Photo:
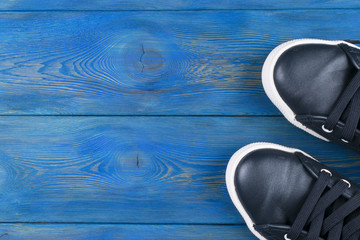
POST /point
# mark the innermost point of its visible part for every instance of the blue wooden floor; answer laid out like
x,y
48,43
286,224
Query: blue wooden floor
x,y
118,117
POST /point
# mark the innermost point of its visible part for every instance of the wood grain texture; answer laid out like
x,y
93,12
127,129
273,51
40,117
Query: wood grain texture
x,y
121,231
135,169
172,5
140,63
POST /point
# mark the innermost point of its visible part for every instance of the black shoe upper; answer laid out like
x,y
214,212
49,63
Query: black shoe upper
x,y
272,186
312,79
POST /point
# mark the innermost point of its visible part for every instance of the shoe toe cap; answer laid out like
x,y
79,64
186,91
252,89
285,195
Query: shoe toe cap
x,y
272,185
311,77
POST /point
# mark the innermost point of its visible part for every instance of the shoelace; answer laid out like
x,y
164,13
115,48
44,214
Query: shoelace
x,y
313,212
348,105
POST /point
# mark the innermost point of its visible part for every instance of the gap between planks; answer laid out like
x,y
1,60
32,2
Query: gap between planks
x,y
128,223
182,10
135,115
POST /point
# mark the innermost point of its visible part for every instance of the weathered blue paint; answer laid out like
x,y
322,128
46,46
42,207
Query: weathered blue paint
x,y
135,169
173,5
132,63
122,231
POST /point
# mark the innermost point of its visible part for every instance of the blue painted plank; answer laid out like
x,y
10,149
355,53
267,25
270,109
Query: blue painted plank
x,y
140,63
172,5
122,231
135,169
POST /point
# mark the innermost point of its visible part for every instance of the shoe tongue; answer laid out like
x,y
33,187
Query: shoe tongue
x,y
352,216
345,115
337,204
352,53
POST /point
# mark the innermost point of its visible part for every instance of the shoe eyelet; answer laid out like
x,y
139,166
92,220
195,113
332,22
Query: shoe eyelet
x,y
345,141
326,130
346,181
327,171
286,237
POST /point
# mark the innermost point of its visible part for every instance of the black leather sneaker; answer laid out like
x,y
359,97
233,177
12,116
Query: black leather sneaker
x,y
283,193
316,86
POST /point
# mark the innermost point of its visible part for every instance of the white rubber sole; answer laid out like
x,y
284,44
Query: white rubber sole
x,y
267,76
230,176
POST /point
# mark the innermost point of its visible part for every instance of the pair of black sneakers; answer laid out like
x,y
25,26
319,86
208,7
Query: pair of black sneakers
x,y
283,193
